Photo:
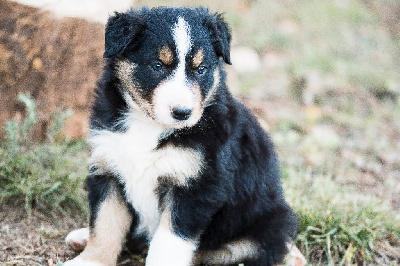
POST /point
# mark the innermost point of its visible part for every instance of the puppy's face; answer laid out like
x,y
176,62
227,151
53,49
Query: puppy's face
x,y
168,66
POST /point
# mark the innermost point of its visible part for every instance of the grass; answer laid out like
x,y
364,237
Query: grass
x,y
45,176
336,179
339,225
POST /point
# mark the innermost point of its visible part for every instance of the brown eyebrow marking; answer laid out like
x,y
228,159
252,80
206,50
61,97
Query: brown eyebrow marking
x,y
198,58
165,55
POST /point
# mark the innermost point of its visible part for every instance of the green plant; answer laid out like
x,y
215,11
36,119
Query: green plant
x,y
19,133
338,225
54,130
46,176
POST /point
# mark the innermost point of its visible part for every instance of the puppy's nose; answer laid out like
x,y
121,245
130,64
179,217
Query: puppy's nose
x,y
180,113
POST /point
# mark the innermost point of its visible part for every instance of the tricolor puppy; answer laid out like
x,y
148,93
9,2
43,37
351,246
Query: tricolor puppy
x,y
178,165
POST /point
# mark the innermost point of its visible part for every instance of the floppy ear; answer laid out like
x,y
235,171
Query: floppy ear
x,y
220,36
121,30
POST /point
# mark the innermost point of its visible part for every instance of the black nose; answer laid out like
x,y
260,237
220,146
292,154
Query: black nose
x,y
180,113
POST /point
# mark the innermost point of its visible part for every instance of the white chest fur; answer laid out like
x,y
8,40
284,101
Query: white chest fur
x,y
133,157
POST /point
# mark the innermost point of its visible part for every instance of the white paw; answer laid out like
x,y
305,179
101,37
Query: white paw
x,y
82,262
167,249
77,239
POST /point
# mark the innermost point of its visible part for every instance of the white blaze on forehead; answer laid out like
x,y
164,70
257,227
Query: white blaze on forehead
x,y
181,35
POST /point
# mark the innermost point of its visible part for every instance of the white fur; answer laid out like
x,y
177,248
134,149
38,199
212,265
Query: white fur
x,y
170,94
176,91
78,261
79,236
132,156
167,249
182,38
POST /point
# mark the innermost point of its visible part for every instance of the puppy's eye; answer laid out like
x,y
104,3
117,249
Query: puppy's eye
x,y
157,67
201,69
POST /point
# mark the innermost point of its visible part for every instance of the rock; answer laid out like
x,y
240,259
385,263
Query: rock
x,y
93,10
288,26
274,60
325,136
245,59
233,81
58,61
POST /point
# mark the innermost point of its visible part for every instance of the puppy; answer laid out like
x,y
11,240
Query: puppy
x,y
178,166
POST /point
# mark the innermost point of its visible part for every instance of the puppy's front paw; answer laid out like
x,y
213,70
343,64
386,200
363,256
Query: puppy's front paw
x,y
77,239
82,262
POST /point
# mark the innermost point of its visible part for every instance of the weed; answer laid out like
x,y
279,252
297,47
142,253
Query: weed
x,y
20,133
338,225
44,176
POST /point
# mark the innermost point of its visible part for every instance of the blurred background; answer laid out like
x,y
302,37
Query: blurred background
x,y
323,77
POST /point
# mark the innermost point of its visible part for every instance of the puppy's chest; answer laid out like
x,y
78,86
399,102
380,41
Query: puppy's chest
x,y
134,158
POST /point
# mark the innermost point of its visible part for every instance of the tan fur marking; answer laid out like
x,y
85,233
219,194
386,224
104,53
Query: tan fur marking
x,y
211,94
198,58
124,70
232,252
107,237
198,108
165,55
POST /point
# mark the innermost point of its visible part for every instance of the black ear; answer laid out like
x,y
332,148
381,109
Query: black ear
x,y
121,30
220,36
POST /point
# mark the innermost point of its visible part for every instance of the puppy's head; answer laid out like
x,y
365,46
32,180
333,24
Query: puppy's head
x,y
166,60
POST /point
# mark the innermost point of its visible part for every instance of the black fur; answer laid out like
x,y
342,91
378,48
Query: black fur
x,y
238,193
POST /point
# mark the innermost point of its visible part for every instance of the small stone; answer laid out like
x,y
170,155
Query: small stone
x,y
245,59
37,63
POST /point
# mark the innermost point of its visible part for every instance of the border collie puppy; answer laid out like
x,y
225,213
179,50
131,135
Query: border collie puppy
x,y
178,166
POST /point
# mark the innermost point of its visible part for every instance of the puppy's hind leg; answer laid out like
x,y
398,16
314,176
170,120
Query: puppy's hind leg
x,y
231,253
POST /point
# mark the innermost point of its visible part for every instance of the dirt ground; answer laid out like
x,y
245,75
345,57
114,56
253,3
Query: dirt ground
x,y
39,240
32,241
